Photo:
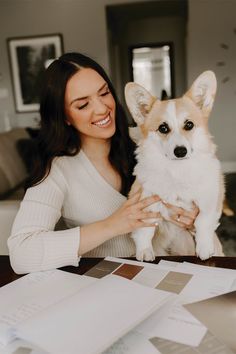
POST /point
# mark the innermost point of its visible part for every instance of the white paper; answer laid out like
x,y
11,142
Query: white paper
x,y
204,269
168,264
19,346
29,295
94,318
132,343
211,270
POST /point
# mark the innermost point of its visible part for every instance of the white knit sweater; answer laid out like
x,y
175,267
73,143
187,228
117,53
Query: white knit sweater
x,y
76,191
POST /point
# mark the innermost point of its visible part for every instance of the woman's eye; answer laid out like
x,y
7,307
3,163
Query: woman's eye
x,y
83,105
164,128
188,125
105,93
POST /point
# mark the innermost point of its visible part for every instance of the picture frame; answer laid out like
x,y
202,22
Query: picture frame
x,y
28,57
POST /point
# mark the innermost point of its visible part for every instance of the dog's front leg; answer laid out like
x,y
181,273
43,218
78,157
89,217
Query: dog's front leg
x,y
206,225
143,242
143,237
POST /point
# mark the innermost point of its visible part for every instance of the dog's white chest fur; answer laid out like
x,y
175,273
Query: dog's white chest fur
x,y
178,182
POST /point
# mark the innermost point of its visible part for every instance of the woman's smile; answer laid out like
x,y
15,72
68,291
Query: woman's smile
x,y
103,123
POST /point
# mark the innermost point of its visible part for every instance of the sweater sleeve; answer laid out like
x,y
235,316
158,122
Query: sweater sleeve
x,y
33,244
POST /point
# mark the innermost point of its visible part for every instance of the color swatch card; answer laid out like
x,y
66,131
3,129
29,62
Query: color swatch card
x,y
172,322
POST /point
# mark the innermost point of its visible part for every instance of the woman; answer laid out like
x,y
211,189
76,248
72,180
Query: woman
x,y
83,173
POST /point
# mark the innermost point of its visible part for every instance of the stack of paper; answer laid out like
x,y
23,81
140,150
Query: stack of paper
x,y
172,328
121,306
61,312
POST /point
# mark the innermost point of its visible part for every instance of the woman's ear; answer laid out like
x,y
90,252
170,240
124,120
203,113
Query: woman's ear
x,y
139,101
202,92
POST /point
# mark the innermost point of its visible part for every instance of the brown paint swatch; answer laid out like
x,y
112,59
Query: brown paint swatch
x,y
128,271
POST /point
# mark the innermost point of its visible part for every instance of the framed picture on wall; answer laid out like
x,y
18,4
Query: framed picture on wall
x,y
29,57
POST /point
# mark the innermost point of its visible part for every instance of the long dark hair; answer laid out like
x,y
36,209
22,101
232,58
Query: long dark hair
x,y
56,138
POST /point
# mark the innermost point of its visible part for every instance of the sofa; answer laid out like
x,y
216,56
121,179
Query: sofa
x,y
16,147
17,151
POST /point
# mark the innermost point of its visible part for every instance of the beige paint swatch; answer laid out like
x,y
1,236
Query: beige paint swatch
x,y
218,314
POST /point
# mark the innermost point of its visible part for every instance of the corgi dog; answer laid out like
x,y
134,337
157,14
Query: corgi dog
x,y
176,160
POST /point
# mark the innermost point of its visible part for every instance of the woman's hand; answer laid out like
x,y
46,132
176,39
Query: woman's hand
x,y
129,217
182,217
132,215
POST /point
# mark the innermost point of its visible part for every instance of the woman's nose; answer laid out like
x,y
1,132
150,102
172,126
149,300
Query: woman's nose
x,y
99,106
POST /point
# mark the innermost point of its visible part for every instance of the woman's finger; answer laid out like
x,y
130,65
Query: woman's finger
x,y
144,203
147,224
183,220
195,209
179,224
145,215
134,198
180,211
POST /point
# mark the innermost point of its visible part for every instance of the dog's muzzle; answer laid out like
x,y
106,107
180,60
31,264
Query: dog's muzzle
x,y
180,151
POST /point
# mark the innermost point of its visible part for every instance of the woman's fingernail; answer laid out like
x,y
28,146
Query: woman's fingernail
x,y
164,201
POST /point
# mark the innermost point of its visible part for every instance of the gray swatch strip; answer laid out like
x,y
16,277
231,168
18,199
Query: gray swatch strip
x,y
22,350
174,282
102,269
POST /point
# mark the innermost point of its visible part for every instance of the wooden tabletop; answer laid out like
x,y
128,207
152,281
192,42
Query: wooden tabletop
x,y
7,275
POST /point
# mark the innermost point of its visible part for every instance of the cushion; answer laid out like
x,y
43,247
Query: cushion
x,y
11,164
4,183
27,149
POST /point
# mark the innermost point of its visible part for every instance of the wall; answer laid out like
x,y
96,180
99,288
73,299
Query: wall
x,y
154,30
82,23
211,24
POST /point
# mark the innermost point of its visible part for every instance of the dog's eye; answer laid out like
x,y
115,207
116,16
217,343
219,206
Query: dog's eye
x,y
188,125
164,128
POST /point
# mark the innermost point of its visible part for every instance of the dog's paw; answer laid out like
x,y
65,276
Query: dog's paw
x,y
205,250
146,254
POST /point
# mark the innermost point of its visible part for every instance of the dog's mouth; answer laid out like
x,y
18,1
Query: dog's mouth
x,y
174,158
180,158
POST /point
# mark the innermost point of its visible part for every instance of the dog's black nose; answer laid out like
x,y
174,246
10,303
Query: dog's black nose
x,y
180,151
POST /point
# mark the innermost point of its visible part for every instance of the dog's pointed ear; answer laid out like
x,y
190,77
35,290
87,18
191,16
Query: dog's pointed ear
x,y
139,101
203,91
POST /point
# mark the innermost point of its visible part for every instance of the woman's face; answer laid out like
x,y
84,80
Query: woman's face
x,y
90,106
